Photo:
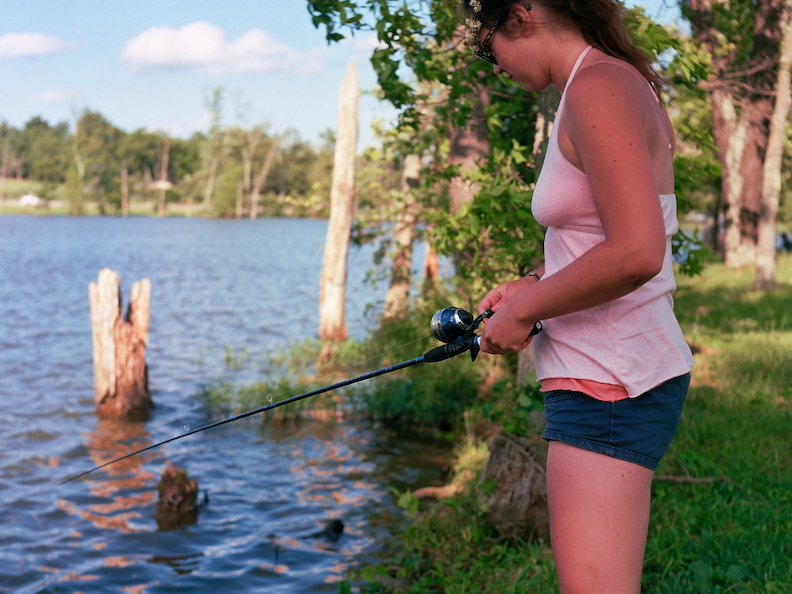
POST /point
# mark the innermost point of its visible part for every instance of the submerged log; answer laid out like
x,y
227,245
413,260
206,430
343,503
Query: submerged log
x,y
518,506
119,348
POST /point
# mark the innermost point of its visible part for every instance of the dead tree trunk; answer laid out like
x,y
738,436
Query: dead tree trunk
x,y
332,291
119,348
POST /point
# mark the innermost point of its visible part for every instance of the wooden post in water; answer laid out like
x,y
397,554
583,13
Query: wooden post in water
x,y
119,348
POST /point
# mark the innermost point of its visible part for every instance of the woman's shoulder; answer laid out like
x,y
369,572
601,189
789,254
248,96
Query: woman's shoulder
x,y
609,86
609,78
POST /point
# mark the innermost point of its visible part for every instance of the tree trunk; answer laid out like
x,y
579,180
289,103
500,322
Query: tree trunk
x,y
119,347
211,176
332,291
214,146
431,270
240,197
4,161
731,137
742,109
518,505
163,177
771,188
261,178
469,146
397,299
124,190
548,103
249,144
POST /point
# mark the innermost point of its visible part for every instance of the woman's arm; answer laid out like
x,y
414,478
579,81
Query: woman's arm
x,y
604,134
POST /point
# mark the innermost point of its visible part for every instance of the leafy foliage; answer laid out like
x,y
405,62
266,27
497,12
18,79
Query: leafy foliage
x,y
423,70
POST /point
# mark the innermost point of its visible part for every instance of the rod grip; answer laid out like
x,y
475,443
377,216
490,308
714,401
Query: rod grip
x,y
447,351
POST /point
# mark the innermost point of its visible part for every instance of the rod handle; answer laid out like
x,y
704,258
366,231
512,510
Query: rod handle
x,y
537,328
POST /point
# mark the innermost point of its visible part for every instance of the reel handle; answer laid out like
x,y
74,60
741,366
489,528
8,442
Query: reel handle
x,y
476,346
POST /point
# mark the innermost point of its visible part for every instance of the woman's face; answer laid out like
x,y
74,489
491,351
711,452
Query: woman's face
x,y
509,53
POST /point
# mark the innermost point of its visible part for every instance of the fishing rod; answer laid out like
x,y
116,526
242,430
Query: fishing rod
x,y
453,326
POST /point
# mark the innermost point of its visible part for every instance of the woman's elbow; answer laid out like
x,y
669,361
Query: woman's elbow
x,y
644,265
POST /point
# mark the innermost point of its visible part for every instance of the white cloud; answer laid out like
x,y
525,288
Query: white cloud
x,y
25,45
363,44
58,96
203,46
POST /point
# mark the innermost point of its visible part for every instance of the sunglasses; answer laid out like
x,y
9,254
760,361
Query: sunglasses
x,y
484,50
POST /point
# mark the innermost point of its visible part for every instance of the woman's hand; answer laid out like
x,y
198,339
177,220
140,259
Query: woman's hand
x,y
501,295
504,333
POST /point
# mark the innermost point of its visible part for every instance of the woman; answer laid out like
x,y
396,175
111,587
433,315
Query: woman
x,y
612,360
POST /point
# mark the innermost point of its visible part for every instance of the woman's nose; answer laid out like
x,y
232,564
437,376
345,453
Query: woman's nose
x,y
498,70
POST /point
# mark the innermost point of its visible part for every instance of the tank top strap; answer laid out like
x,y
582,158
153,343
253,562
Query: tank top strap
x,y
578,62
575,68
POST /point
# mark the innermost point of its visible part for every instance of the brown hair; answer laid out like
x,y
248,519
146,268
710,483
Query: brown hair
x,y
601,22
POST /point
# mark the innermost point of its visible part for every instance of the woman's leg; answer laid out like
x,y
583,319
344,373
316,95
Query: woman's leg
x,y
599,517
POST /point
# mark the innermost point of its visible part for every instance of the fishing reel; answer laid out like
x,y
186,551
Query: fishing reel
x,y
452,323
457,329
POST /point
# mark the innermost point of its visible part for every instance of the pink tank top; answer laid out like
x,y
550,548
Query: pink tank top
x,y
633,343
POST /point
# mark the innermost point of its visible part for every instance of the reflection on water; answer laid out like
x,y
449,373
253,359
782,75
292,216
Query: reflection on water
x,y
113,439
271,489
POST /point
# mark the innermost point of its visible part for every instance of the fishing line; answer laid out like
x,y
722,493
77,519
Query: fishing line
x,y
453,326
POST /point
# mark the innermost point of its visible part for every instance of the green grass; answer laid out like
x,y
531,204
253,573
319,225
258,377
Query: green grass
x,y
723,499
732,534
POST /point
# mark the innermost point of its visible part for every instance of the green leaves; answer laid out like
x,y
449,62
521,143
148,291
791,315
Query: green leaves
x,y
333,15
423,70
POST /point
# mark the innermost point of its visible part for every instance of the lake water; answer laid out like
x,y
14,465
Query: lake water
x,y
241,284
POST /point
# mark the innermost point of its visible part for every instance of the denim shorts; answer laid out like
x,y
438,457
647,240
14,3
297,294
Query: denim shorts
x,y
637,430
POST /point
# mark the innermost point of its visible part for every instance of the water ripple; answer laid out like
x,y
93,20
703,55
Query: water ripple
x,y
270,489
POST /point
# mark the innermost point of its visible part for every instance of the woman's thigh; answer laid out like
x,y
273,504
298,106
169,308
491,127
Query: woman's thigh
x,y
599,517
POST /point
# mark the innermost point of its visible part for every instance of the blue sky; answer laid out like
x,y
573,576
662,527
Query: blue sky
x,y
150,63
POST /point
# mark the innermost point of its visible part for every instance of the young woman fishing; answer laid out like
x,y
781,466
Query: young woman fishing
x,y
612,360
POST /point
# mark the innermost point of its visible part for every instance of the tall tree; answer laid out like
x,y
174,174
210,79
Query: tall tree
x,y
771,186
94,145
214,148
44,150
743,89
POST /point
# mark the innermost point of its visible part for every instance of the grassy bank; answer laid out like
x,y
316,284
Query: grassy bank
x,y
723,499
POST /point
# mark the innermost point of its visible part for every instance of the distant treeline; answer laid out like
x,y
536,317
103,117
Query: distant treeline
x,y
230,171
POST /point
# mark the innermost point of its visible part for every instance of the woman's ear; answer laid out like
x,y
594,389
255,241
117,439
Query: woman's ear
x,y
521,19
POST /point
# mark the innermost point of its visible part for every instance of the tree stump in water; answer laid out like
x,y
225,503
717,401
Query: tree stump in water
x,y
518,506
119,348
177,504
